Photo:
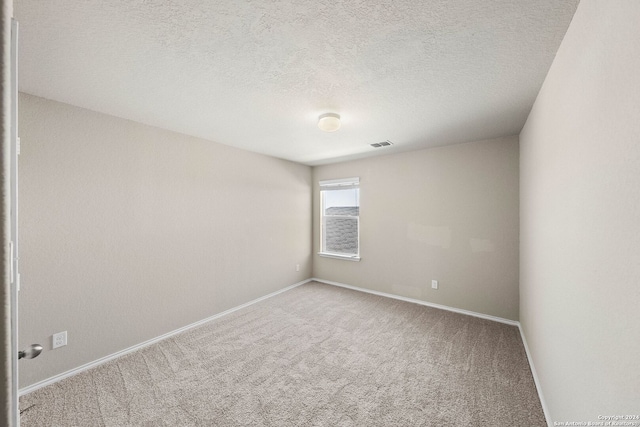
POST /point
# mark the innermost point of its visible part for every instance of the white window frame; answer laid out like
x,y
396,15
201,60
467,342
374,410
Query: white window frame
x,y
334,184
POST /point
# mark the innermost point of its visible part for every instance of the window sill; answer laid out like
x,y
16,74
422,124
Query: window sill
x,y
339,256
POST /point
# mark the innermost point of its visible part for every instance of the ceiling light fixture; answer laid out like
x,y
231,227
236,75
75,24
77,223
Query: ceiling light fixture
x,y
329,122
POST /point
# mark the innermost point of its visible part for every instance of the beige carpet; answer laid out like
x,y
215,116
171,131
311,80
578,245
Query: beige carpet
x,y
313,356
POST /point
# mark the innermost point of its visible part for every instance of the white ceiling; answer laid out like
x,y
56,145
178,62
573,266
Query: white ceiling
x,y
257,74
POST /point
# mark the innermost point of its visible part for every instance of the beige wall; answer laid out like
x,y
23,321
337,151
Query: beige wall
x,y
449,214
580,223
129,231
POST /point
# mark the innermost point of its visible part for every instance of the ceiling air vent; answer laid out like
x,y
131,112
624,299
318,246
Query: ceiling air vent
x,y
382,144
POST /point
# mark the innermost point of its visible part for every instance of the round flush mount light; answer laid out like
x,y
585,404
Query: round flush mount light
x,y
329,122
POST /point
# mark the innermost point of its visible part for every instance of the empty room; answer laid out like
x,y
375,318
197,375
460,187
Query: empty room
x,y
271,213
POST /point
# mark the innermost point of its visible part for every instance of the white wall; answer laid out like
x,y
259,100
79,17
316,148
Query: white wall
x,y
448,213
130,231
580,218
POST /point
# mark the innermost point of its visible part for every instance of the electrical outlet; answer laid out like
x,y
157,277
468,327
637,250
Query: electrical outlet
x,y
297,267
434,284
59,339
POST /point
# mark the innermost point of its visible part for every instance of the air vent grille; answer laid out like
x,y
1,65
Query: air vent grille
x,y
382,144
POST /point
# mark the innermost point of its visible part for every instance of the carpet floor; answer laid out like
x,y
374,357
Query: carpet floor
x,y
316,355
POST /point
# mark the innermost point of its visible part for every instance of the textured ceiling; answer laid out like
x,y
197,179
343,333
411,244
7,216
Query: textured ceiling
x,y
257,74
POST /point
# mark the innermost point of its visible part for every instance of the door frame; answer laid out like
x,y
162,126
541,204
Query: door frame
x,y
12,173
14,246
9,415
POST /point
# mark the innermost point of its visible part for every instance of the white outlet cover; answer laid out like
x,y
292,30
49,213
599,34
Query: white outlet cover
x,y
434,284
59,339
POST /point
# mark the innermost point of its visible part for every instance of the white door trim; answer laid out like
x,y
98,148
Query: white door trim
x,y
15,275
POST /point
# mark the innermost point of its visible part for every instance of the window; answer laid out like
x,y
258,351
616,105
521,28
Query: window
x,y
340,218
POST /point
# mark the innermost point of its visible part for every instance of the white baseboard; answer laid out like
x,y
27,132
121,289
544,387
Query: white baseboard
x,y
75,371
468,313
536,380
105,359
421,302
